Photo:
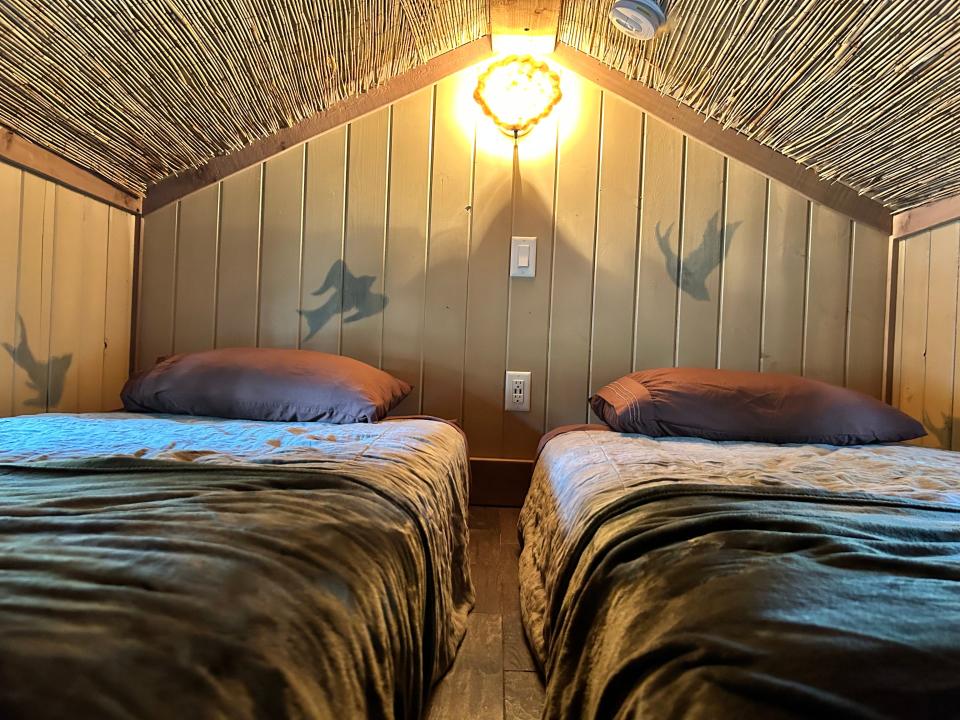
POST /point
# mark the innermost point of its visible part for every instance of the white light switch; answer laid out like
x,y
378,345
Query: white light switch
x,y
523,257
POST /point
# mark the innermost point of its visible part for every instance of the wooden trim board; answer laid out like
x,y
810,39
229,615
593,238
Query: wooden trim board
x,y
889,329
499,482
21,152
174,188
750,152
924,217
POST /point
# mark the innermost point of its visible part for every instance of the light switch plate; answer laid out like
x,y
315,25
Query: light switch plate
x,y
523,257
516,397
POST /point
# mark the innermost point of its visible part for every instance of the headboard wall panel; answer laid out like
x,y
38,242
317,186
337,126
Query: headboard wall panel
x,y
66,280
926,367
388,240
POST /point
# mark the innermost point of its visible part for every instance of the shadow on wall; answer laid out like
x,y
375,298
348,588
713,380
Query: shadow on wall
x,y
943,433
697,266
45,379
350,294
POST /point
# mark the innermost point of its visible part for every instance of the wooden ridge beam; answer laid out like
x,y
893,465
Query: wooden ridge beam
x,y
19,151
758,156
528,18
173,188
926,216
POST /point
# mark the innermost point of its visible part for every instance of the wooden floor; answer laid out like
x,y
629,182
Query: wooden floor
x,y
494,676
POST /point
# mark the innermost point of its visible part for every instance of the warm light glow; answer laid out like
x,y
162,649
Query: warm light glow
x,y
517,92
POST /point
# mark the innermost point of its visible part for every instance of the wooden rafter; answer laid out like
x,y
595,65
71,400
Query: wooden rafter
x,y
174,188
758,156
926,216
24,154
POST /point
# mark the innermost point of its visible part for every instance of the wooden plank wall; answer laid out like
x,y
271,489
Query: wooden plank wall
x,y
388,240
926,359
66,279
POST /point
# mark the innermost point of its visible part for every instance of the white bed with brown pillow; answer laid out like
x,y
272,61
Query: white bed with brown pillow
x,y
168,566
680,577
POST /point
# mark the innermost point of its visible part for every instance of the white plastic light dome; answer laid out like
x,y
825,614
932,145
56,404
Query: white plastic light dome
x,y
639,19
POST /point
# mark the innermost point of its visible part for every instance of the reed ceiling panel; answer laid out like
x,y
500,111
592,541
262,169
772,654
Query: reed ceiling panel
x,y
139,91
866,93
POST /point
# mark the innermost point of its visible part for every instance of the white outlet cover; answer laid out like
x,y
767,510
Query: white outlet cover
x,y
521,381
523,257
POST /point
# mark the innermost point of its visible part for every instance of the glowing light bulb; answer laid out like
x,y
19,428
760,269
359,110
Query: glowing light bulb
x,y
517,92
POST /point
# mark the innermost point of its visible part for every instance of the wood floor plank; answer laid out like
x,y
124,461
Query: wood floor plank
x,y
473,689
516,653
485,569
483,517
509,517
523,696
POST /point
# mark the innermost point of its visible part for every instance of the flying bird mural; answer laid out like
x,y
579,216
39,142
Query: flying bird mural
x,y
351,294
701,261
46,379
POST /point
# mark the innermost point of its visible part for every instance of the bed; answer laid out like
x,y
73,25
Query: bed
x,y
177,567
681,577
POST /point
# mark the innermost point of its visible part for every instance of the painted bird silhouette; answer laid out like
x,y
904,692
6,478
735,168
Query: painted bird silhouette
x,y
942,432
698,265
46,379
350,293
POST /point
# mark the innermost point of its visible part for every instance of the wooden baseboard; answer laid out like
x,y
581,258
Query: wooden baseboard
x,y
499,482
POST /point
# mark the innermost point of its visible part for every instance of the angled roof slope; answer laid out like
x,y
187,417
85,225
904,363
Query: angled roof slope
x,y
138,91
866,93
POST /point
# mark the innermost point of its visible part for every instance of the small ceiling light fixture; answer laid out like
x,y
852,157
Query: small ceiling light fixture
x,y
517,92
639,19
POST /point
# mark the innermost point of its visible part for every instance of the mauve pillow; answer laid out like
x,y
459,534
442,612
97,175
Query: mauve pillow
x,y
266,384
763,407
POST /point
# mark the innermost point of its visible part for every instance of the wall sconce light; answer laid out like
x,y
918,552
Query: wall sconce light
x,y
517,92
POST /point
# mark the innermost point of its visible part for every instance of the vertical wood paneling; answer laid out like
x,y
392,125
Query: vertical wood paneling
x,y
702,253
938,387
898,327
404,275
616,243
446,291
197,271
281,235
10,200
784,274
116,343
157,286
323,216
92,309
742,291
828,272
33,295
365,234
572,282
916,273
652,250
486,336
66,309
658,272
529,319
238,279
867,310
54,296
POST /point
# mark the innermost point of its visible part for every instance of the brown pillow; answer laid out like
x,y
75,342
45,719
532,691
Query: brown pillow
x,y
763,407
266,384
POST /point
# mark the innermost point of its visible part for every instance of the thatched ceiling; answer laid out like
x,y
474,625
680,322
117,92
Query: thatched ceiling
x,y
137,90
867,92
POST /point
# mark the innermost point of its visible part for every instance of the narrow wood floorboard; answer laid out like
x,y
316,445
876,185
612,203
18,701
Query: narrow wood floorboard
x,y
494,676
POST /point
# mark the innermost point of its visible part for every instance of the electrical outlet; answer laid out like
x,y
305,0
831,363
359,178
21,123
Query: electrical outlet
x,y
517,392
